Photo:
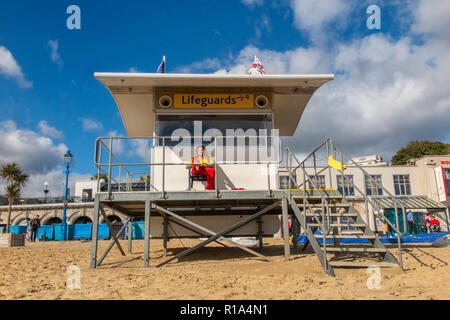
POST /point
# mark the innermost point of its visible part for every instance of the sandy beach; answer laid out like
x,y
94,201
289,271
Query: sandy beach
x,y
39,271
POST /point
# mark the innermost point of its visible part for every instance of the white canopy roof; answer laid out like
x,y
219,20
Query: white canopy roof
x,y
134,94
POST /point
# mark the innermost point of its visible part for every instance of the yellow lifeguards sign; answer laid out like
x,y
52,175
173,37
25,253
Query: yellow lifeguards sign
x,y
211,101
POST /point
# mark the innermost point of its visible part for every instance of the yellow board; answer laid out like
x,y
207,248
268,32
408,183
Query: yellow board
x,y
211,101
335,164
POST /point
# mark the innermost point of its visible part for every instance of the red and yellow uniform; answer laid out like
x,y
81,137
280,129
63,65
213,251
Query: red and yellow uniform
x,y
210,173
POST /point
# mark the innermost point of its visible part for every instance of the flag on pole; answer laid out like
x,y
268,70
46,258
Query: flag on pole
x,y
336,164
162,66
257,68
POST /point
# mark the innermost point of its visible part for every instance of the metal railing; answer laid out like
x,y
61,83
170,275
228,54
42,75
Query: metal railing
x,y
324,224
377,210
337,154
268,149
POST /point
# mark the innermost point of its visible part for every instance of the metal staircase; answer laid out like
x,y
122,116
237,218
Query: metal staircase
x,y
335,221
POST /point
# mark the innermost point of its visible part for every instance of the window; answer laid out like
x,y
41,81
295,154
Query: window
x,y
447,180
211,125
373,186
319,181
348,189
284,183
87,195
401,185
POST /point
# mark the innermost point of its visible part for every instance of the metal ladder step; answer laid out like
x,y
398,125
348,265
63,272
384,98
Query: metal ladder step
x,y
347,236
335,215
346,264
355,250
354,225
331,205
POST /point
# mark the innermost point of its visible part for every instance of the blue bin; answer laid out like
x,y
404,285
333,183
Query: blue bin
x,y
17,229
82,231
138,230
46,231
69,232
103,231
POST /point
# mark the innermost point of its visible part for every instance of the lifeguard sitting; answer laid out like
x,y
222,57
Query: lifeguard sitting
x,y
203,165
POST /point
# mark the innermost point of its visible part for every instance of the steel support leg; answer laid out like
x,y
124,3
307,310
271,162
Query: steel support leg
x,y
312,240
295,230
147,234
94,240
130,235
287,248
260,232
166,222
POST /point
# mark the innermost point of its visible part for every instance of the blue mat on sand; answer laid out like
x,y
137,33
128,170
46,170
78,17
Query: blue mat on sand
x,y
419,238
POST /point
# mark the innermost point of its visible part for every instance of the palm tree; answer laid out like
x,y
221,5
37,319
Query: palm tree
x,y
16,180
143,179
102,176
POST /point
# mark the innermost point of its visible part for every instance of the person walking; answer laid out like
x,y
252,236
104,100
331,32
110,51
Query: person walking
x,y
411,223
423,223
35,224
428,219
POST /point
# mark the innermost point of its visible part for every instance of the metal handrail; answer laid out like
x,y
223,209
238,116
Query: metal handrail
x,y
331,150
182,163
395,199
325,205
99,145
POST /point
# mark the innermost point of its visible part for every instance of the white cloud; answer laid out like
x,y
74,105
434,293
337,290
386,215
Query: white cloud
x,y
91,125
300,60
49,130
432,17
252,3
141,148
33,152
118,144
37,156
262,25
11,69
133,70
56,180
206,64
54,55
386,92
315,16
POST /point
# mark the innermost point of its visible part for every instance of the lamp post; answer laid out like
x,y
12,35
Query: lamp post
x,y
68,158
45,191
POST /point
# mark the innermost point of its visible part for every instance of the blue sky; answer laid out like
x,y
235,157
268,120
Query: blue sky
x,y
48,93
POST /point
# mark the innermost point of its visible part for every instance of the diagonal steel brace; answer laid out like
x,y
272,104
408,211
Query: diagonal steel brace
x,y
111,244
111,230
216,236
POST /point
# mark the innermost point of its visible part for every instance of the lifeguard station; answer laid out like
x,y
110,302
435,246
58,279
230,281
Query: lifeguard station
x,y
239,119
